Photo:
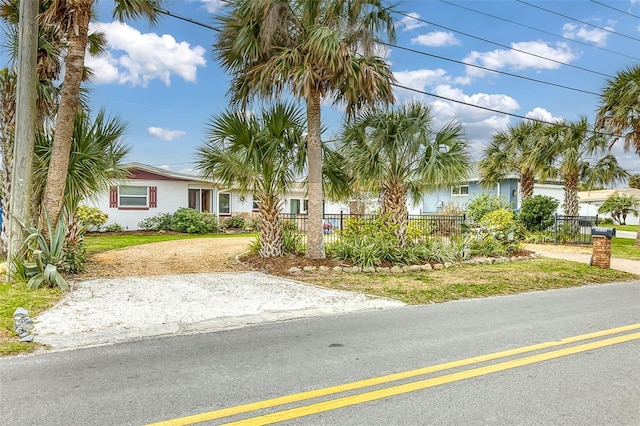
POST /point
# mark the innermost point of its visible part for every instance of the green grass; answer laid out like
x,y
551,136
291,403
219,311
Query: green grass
x,y
630,228
15,295
473,281
99,243
624,248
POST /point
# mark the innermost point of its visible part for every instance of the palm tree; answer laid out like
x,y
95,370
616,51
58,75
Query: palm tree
x,y
619,110
7,132
319,50
634,181
512,151
95,163
262,155
71,18
580,155
397,153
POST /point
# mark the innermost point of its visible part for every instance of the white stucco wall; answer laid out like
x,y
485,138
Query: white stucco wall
x,y
554,191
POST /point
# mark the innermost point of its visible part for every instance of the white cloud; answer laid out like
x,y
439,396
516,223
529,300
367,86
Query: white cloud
x,y
436,39
165,134
410,22
499,58
542,114
212,6
139,58
165,167
594,35
420,79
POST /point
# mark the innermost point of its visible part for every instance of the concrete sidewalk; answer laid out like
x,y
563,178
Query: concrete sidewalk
x,y
632,266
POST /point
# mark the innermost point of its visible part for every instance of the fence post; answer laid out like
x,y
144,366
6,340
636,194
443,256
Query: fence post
x,y
555,229
341,218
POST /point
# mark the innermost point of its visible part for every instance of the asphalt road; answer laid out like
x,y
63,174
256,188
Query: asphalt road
x,y
587,379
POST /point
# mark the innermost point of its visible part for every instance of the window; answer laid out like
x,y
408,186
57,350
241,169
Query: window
x,y
224,203
305,206
294,206
200,200
460,190
256,204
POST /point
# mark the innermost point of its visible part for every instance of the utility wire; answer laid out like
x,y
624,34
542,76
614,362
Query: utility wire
x,y
505,46
400,86
541,31
497,111
578,20
408,49
616,9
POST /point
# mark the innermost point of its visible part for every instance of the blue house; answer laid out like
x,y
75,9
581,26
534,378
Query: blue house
x,y
508,188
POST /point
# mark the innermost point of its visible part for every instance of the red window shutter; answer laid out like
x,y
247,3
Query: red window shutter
x,y
113,196
153,196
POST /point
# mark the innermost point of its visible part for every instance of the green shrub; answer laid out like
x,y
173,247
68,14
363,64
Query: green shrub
x,y
90,218
479,206
292,239
498,233
211,222
539,237
235,222
74,256
189,221
536,213
113,227
159,222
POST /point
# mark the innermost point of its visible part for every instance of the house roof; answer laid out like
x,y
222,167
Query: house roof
x,y
144,171
600,196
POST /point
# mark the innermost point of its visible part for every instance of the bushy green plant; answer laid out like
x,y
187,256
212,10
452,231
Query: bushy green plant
x,y
501,220
536,213
75,255
485,203
235,222
189,221
292,239
114,227
41,258
498,233
90,218
539,237
159,222
211,222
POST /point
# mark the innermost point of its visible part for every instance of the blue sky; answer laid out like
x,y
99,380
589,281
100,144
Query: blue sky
x,y
165,82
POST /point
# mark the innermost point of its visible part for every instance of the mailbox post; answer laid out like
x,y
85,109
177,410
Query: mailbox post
x,y
602,246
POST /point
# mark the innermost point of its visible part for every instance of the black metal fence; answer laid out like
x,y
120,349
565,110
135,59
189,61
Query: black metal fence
x,y
573,229
566,229
433,225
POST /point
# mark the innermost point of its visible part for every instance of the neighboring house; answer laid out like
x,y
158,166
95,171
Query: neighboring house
x,y
590,201
509,188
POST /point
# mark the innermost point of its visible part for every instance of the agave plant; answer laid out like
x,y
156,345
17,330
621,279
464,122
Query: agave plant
x,y
45,255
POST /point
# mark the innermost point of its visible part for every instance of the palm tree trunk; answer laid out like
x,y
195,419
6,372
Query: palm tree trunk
x,y
271,244
74,62
571,207
7,132
315,239
526,185
394,206
637,244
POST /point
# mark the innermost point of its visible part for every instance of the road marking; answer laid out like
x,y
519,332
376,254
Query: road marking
x,y
270,403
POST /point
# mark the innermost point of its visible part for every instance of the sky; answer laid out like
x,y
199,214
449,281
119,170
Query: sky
x,y
166,83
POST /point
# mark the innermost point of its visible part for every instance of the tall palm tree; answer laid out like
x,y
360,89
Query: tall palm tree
x,y
397,153
7,132
512,151
634,181
619,111
262,155
72,18
319,50
580,154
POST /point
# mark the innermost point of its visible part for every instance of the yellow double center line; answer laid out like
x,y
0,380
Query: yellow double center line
x,y
408,387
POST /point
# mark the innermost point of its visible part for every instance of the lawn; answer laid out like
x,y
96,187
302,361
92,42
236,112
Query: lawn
x,y
461,282
630,228
102,242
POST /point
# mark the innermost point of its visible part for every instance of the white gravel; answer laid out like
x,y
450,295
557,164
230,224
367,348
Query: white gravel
x,y
106,311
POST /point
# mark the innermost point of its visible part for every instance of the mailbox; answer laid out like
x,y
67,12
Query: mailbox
x,y
599,231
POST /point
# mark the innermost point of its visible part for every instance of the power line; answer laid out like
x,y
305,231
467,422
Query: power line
x,y
505,46
497,111
616,9
577,20
428,93
486,69
539,30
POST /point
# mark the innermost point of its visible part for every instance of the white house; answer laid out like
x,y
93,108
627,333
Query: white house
x,y
590,201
